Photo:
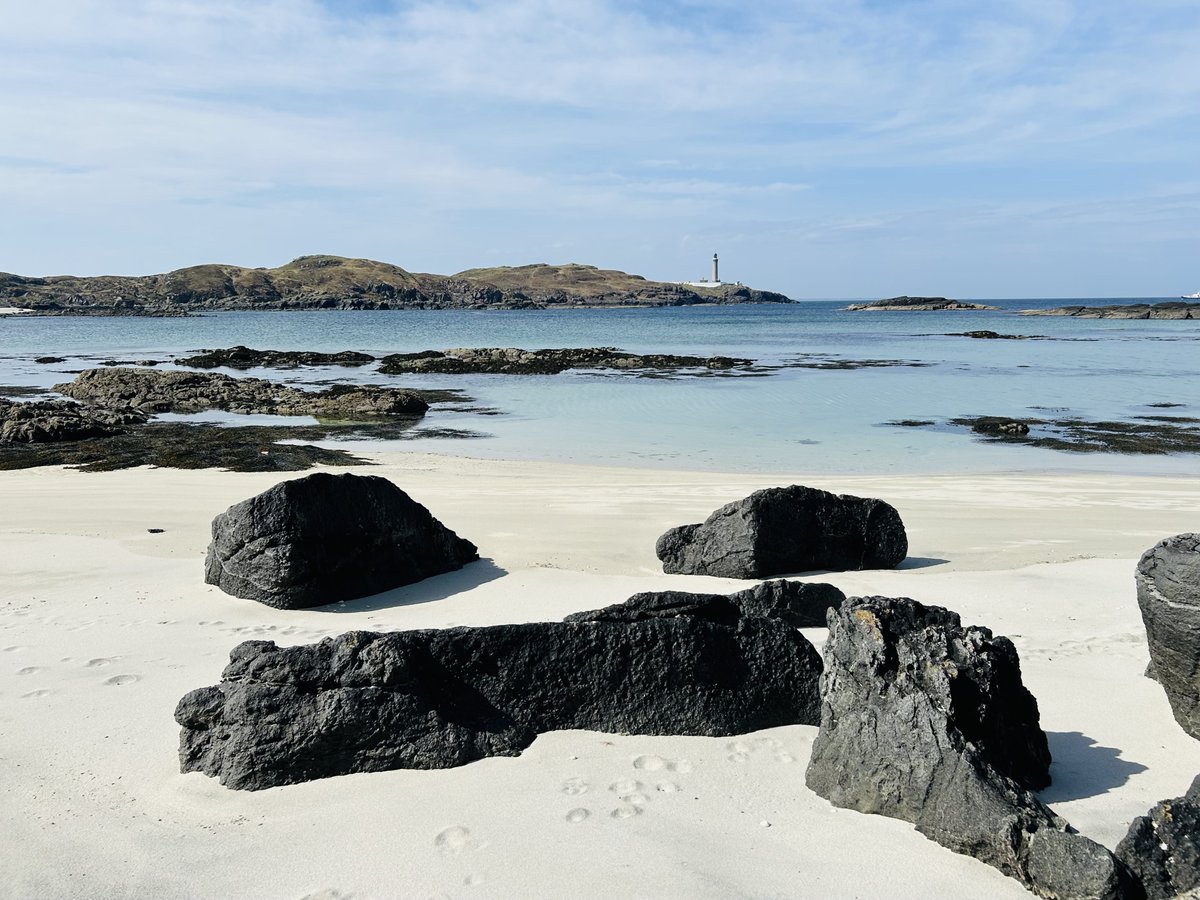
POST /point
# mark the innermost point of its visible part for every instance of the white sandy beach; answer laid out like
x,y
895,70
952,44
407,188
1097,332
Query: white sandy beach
x,y
103,626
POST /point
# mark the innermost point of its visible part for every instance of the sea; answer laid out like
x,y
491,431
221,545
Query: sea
x,y
786,420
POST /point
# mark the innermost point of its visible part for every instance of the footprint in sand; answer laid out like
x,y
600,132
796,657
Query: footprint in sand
x,y
625,786
577,815
33,695
13,649
328,894
573,787
29,670
667,787
101,661
649,763
626,812
118,680
474,880
454,840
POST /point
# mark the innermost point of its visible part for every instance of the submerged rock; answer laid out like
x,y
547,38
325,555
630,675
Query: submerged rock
x,y
326,538
799,604
927,721
514,361
1168,591
1162,848
189,392
366,702
782,530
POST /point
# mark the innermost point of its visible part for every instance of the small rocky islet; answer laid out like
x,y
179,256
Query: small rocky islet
x,y
917,304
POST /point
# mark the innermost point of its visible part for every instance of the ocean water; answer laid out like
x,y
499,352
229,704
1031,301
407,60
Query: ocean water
x,y
793,420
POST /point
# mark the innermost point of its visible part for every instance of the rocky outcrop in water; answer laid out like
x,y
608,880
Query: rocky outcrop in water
x,y
247,358
796,603
514,361
189,392
365,702
1168,592
915,304
927,721
778,531
1173,309
326,538
51,421
1162,848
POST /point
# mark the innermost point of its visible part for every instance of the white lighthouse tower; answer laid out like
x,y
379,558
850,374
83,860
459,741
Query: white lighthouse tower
x,y
715,277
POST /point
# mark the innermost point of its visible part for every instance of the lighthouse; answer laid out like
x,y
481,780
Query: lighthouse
x,y
716,279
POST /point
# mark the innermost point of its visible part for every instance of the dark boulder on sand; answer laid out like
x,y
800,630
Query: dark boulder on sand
x,y
927,721
1168,591
782,530
1162,848
365,702
325,538
799,604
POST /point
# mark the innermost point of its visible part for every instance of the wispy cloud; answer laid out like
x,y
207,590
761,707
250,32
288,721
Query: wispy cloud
x,y
242,131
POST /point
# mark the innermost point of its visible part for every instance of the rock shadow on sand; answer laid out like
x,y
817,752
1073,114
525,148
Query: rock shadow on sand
x,y
921,562
439,587
1082,768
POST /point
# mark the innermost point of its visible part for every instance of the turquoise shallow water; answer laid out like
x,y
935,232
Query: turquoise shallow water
x,y
801,420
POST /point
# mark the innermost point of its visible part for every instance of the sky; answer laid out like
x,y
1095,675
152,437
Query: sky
x,y
825,148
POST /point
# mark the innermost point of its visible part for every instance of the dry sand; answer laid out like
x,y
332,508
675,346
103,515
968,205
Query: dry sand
x,y
103,626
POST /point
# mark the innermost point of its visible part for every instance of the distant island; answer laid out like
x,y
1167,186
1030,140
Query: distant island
x,y
1172,309
335,282
915,304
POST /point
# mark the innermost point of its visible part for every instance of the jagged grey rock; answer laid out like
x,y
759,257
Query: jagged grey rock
x,y
927,721
799,604
325,538
187,392
365,702
1168,591
51,421
1162,848
782,530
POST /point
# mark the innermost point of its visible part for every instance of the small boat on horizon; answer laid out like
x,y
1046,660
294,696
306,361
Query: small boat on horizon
x,y
1195,296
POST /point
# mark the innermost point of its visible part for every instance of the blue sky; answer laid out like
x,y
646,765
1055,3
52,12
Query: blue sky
x,y
825,149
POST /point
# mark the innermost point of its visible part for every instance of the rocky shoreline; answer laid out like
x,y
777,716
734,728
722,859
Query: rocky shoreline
x,y
1173,309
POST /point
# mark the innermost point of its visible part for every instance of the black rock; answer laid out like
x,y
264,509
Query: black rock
x,y
49,360
325,538
365,702
1168,590
781,530
793,602
927,721
1162,848
248,358
515,361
